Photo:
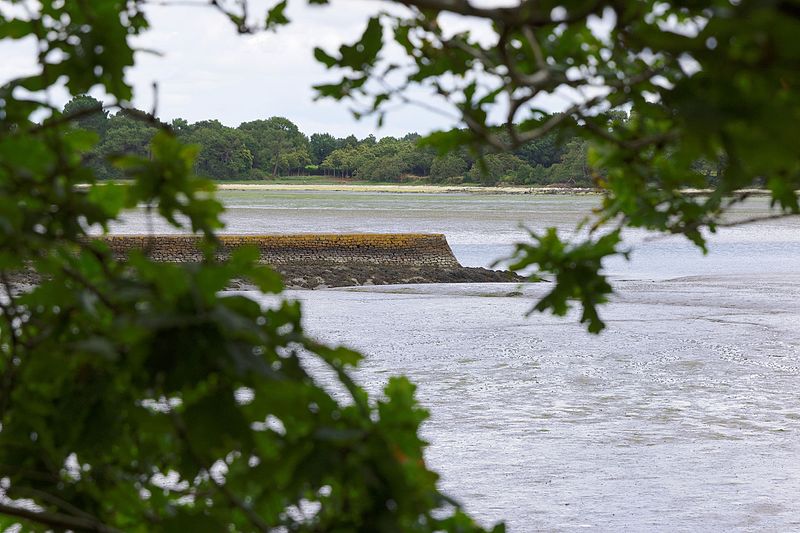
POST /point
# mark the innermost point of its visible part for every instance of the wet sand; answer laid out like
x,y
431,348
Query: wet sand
x,y
682,416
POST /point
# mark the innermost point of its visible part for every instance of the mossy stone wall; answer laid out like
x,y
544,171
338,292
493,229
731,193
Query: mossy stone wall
x,y
358,248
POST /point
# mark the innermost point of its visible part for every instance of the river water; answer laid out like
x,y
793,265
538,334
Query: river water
x,y
684,415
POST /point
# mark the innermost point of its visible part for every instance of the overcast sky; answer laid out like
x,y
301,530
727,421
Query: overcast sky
x,y
207,70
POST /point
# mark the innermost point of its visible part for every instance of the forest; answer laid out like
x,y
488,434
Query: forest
x,y
275,147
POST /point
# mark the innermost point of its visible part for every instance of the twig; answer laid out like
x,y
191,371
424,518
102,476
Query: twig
x,y
57,520
530,36
742,222
52,499
80,278
65,119
526,13
753,220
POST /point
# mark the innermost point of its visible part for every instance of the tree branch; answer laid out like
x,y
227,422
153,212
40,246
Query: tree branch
x,y
754,220
57,520
27,492
526,12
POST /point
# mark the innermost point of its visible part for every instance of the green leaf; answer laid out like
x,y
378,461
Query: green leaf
x,y
323,57
576,270
110,197
15,28
276,16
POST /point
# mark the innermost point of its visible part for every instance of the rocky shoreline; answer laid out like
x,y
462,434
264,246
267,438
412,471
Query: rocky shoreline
x,y
329,275
320,276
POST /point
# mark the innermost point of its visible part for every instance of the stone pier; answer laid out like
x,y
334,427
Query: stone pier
x,y
391,249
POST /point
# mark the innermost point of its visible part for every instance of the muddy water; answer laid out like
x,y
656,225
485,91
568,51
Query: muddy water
x,y
683,416
483,228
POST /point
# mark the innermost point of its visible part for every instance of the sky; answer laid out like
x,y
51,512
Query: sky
x,y
210,71
206,70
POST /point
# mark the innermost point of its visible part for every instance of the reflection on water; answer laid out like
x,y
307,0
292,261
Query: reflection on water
x,y
683,416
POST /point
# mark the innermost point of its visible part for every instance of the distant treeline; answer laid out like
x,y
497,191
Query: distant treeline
x,y
275,147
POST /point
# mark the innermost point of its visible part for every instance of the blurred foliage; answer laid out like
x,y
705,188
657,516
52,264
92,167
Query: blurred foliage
x,y
137,396
665,97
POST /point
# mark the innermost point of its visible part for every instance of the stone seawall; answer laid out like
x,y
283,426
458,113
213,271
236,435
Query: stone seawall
x,y
395,249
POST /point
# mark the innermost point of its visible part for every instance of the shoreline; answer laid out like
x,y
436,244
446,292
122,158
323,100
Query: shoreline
x,y
320,275
444,189
430,189
425,189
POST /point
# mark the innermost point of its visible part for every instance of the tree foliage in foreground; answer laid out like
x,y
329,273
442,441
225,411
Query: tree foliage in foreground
x,y
135,396
708,84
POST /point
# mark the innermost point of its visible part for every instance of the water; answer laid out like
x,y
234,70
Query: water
x,y
483,228
682,416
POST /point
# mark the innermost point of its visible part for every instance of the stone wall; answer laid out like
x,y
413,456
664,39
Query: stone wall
x,y
413,249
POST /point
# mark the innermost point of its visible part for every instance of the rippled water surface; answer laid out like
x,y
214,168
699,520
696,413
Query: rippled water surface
x,y
483,228
684,415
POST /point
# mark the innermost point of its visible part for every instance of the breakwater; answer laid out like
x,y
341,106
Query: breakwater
x,y
391,249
